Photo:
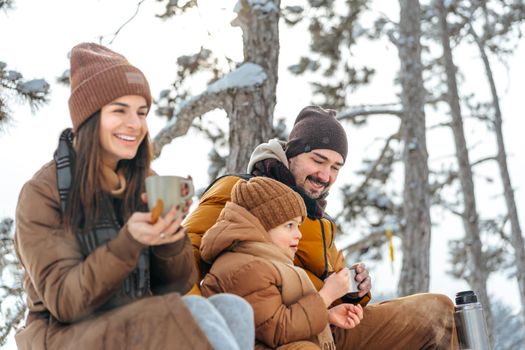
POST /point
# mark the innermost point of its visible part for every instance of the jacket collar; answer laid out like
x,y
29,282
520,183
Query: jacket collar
x,y
269,159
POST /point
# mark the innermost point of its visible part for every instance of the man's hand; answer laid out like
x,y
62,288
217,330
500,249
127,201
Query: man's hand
x,y
345,315
363,279
185,190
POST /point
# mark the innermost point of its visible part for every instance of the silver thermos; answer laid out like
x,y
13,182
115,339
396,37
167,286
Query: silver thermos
x,y
470,322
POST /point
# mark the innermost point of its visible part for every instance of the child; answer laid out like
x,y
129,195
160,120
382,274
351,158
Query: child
x,y
251,249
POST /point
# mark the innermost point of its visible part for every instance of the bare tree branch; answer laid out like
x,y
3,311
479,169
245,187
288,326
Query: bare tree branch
x,y
374,166
375,237
452,210
125,23
439,125
360,111
15,320
364,242
12,290
483,160
6,5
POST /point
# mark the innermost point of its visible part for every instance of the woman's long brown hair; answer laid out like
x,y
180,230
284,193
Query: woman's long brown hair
x,y
85,196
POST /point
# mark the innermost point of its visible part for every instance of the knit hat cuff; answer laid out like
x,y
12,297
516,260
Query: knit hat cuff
x,y
105,86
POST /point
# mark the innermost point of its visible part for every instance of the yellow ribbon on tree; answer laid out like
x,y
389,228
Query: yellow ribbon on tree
x,y
389,234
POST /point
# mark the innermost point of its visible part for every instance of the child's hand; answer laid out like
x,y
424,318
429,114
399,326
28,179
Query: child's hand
x,y
335,286
345,315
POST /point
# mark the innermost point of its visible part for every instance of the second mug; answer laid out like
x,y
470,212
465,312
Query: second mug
x,y
169,189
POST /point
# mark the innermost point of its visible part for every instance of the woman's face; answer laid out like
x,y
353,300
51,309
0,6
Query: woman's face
x,y
122,128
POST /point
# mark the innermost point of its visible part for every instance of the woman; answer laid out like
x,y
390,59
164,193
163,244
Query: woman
x,y
99,274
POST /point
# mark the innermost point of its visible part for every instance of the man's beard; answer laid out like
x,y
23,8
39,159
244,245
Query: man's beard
x,y
317,180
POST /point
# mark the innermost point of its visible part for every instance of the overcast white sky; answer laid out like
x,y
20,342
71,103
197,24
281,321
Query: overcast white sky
x,y
37,35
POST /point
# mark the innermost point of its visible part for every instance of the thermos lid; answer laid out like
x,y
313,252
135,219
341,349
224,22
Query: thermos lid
x,y
466,297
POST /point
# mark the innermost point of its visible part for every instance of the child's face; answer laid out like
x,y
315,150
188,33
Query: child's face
x,y
287,235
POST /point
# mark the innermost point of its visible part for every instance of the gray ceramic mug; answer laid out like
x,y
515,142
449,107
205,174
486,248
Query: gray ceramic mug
x,y
169,190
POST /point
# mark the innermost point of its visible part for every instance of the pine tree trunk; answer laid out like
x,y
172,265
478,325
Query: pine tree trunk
x,y
416,232
251,113
516,236
476,267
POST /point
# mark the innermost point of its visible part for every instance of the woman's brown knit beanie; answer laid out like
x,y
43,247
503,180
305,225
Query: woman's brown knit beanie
x,y
316,128
99,76
271,201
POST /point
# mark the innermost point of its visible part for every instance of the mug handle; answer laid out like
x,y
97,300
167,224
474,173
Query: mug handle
x,y
191,189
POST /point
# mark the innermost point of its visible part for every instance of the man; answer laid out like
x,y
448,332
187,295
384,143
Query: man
x,y
309,163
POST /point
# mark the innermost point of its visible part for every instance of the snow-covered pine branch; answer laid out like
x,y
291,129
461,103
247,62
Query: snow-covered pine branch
x,y
246,77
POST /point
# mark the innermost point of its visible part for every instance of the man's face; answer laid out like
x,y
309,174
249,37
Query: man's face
x,y
316,171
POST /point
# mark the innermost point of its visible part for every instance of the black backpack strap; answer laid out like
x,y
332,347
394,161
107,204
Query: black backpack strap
x,y
64,157
328,217
242,176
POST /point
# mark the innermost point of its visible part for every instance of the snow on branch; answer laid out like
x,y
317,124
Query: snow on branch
x,y
265,6
13,84
245,77
33,87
